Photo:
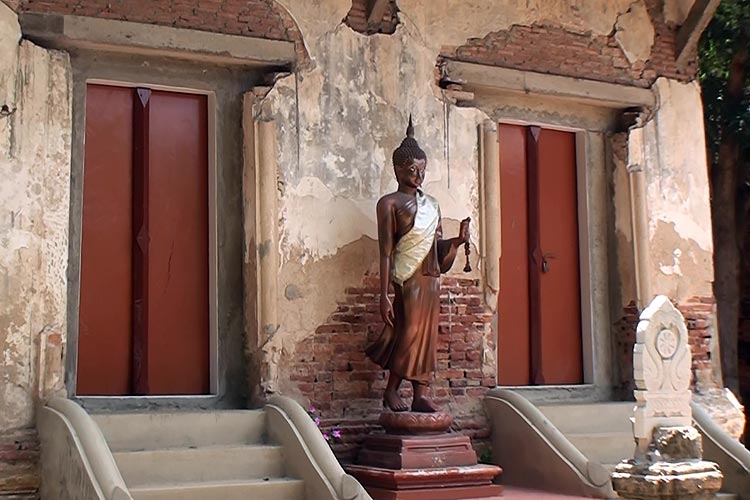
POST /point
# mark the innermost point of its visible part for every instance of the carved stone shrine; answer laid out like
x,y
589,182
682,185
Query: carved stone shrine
x,y
668,457
418,459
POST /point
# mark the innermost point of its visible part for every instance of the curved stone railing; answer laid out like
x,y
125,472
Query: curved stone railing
x,y
76,460
718,446
534,453
308,455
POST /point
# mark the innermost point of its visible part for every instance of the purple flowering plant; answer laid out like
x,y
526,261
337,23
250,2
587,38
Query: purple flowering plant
x,y
334,436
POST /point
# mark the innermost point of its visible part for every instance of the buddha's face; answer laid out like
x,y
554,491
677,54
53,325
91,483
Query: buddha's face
x,y
411,175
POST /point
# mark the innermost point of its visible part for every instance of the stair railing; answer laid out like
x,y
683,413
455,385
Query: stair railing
x,y
93,449
308,455
718,446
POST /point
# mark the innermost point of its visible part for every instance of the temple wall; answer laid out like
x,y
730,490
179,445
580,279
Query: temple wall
x,y
35,134
339,119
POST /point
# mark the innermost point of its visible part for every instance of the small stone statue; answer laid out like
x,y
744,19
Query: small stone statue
x,y
413,254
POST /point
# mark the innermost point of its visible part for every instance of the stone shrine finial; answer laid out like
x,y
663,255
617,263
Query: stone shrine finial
x,y
661,362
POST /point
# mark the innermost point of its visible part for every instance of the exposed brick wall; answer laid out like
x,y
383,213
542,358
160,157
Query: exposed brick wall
x,y
697,311
551,49
254,18
356,19
332,371
19,464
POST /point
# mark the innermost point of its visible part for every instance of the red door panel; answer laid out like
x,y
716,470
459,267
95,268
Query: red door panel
x,y
560,296
513,308
178,361
144,326
539,325
105,327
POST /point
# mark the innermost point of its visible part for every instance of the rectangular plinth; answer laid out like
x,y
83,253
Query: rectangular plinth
x,y
466,492
419,479
389,451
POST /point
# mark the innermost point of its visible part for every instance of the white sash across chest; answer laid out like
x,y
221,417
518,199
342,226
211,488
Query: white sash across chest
x,y
414,246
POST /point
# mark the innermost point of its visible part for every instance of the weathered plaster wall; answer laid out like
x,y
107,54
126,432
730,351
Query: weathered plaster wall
x,y
670,151
339,119
35,130
35,162
680,238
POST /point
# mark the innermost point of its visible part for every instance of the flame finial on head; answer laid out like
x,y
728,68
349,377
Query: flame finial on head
x,y
409,149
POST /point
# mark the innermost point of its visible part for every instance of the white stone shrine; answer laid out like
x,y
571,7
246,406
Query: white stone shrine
x,y
668,461
661,362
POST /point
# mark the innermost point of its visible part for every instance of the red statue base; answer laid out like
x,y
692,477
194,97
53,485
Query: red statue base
x,y
417,459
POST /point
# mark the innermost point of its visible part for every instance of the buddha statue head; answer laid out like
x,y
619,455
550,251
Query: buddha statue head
x,y
409,161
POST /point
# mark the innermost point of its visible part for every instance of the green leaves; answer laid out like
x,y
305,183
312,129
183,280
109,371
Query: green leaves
x,y
726,35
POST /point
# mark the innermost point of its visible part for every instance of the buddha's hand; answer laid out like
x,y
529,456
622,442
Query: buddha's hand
x,y
386,310
463,232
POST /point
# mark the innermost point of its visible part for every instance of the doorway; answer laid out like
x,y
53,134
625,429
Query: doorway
x,y
539,304
144,286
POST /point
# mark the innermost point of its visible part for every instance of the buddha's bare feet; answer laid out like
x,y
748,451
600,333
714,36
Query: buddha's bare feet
x,y
423,404
393,402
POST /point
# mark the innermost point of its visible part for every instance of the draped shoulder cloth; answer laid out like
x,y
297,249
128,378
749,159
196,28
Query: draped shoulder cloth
x,y
414,246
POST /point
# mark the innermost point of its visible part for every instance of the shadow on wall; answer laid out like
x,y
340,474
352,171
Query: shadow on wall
x,y
331,370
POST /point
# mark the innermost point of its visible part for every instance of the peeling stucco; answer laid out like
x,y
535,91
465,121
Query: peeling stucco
x,y
34,199
635,33
351,117
338,122
10,36
679,265
677,193
451,22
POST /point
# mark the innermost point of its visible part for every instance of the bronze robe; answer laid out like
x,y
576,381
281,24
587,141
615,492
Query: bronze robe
x,y
409,349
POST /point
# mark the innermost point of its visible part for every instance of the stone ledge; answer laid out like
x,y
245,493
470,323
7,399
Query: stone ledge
x,y
480,78
66,32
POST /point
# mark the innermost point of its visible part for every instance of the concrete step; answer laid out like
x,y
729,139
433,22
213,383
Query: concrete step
x,y
148,431
604,447
590,418
191,465
272,489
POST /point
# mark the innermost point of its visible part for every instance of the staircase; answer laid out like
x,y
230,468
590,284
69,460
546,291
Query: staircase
x,y
198,456
601,431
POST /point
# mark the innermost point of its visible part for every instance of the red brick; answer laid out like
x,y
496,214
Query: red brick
x,y
551,49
